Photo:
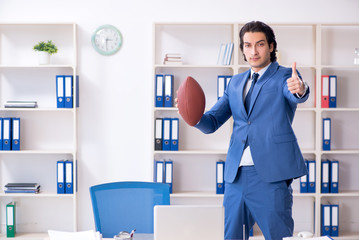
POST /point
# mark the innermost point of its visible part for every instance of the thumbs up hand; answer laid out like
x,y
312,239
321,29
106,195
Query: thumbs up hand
x,y
294,83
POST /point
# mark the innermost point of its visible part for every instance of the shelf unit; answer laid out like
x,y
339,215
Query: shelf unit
x,y
318,49
48,134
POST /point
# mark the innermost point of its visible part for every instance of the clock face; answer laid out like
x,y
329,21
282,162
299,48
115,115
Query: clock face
x,y
107,40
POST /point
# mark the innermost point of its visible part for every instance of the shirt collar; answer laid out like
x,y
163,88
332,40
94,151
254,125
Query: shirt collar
x,y
262,71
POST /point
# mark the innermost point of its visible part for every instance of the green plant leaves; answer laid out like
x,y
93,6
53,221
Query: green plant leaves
x,y
49,47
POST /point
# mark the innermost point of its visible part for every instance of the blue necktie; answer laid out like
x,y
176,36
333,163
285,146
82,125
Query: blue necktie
x,y
247,101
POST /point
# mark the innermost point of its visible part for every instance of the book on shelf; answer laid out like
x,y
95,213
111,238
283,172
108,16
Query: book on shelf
x,y
172,59
22,191
20,104
225,53
22,188
173,55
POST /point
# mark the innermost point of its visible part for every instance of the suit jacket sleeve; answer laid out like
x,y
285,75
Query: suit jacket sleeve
x,y
216,117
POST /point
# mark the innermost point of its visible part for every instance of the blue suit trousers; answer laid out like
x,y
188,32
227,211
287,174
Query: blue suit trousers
x,y
249,199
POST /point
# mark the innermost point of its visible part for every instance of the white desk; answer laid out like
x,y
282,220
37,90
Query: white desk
x,y
138,236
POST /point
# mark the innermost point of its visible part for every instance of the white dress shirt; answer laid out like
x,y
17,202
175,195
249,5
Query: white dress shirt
x,y
246,159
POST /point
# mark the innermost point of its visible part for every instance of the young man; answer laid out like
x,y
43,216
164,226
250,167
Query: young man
x,y
263,155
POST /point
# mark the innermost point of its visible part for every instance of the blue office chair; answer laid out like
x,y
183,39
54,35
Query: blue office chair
x,y
124,206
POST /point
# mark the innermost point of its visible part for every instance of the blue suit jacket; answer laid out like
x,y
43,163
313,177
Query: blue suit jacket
x,y
268,125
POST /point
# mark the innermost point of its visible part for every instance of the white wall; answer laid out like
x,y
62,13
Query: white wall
x,y
115,113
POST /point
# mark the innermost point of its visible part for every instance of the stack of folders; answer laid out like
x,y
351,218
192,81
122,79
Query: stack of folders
x,y
222,83
220,177
329,91
166,134
10,134
22,188
10,220
307,182
65,91
330,220
20,104
330,176
225,54
172,59
164,90
163,172
327,124
65,177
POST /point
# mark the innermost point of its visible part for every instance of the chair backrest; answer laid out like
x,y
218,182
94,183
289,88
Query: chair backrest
x,y
124,206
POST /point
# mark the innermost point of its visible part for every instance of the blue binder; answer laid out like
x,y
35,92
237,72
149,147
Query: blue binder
x,y
221,86
220,177
15,145
166,131
332,91
304,181
77,91
334,231
61,177
169,173
326,134
311,176
158,171
1,133
60,91
228,79
68,91
69,177
325,179
159,91
7,134
168,101
326,219
174,134
334,184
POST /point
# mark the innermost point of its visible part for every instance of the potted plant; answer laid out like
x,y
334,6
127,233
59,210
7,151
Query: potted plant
x,y
45,49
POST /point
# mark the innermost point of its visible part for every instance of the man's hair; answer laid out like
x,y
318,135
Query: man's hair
x,y
257,26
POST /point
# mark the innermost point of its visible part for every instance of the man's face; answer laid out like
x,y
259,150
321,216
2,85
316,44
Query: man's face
x,y
256,50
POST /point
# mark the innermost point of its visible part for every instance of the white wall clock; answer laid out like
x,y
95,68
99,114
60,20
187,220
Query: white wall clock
x,y
107,40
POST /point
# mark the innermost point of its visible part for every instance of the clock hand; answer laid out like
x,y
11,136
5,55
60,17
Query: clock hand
x,y
106,44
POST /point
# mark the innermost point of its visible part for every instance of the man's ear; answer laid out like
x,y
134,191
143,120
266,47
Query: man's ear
x,y
271,47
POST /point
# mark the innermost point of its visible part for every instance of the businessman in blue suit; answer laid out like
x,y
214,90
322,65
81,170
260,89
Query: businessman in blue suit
x,y
263,156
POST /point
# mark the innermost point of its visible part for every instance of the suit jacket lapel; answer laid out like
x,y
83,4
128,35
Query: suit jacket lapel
x,y
262,80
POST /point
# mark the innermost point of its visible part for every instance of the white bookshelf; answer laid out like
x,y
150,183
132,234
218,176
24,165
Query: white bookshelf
x,y
318,49
47,134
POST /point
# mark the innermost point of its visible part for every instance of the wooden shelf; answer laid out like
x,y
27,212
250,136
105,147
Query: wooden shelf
x,y
37,195
50,128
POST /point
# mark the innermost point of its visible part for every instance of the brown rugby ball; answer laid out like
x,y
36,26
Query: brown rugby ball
x,y
191,101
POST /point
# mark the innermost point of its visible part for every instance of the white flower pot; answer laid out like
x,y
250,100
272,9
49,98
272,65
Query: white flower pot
x,y
44,58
